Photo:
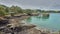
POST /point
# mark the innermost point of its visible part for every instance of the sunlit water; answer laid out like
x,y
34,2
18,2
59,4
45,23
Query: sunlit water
x,y
51,22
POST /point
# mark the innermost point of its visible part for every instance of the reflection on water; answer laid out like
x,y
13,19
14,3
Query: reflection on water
x,y
29,19
38,17
45,16
52,21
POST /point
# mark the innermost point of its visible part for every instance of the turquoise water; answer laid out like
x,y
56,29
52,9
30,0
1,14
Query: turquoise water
x,y
50,22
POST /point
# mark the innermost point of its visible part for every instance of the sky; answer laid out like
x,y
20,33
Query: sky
x,y
33,4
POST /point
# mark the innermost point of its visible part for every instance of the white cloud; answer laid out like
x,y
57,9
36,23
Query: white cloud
x,y
43,4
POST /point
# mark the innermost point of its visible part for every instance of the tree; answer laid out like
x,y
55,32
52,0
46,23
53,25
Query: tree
x,y
28,11
16,9
2,10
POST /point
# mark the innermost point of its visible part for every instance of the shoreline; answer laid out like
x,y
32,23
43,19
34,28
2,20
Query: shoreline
x,y
45,29
17,22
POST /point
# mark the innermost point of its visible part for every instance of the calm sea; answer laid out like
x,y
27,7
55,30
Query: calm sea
x,y
50,22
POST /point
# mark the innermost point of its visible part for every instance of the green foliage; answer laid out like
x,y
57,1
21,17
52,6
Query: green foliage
x,y
16,9
28,11
4,10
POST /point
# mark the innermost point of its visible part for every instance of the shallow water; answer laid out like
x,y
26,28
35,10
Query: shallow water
x,y
51,22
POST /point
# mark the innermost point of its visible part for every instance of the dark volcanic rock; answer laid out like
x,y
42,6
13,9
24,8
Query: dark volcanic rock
x,y
4,22
16,30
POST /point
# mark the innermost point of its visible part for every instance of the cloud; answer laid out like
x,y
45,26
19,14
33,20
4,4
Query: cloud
x,y
43,4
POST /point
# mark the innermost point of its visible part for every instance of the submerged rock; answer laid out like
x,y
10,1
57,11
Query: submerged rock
x,y
45,14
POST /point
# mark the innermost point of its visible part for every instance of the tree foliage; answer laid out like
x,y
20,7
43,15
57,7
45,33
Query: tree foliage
x,y
4,10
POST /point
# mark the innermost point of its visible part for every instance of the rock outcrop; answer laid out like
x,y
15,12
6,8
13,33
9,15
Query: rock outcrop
x,y
16,26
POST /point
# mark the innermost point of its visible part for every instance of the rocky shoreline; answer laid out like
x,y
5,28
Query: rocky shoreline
x,y
16,26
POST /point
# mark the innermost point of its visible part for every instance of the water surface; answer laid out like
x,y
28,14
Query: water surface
x,y
51,22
